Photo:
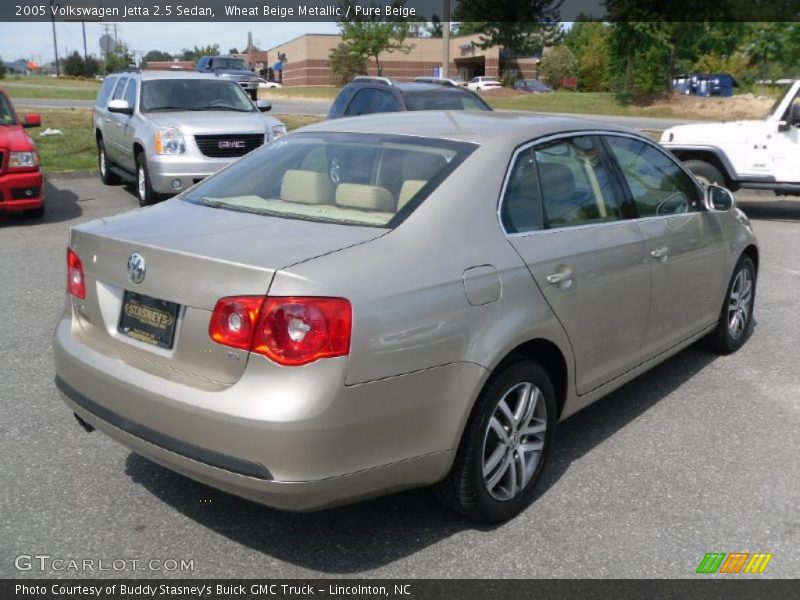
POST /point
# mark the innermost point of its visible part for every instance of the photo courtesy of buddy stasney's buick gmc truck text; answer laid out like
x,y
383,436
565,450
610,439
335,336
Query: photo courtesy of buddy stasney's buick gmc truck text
x,y
372,304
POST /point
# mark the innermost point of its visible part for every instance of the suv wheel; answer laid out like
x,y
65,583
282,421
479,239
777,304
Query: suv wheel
x,y
144,191
736,318
505,445
106,175
705,173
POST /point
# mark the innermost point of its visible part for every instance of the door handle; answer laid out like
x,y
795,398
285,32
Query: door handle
x,y
563,275
661,252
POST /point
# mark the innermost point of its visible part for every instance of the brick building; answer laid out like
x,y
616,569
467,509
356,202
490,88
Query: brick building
x,y
304,60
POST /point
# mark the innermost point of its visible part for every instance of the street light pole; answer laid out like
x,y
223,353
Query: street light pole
x,y
55,41
446,38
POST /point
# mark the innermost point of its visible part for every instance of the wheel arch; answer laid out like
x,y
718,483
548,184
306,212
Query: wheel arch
x,y
752,252
713,156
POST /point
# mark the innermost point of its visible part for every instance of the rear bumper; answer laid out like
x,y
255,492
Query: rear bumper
x,y
21,191
302,442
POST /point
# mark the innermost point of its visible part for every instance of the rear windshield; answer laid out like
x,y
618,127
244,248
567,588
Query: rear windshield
x,y
6,114
228,63
444,101
194,94
347,178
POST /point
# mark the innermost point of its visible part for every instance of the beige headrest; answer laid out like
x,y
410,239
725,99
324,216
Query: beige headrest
x,y
369,197
307,187
409,188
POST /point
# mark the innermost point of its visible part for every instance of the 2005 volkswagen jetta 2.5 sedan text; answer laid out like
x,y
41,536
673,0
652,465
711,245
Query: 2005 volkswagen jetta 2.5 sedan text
x,y
374,304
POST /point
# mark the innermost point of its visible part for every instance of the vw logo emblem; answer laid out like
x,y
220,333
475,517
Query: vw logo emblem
x,y
136,268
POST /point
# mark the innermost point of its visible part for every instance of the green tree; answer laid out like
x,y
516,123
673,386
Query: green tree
x,y
558,63
74,65
118,59
588,41
195,53
233,50
346,63
155,56
519,26
2,68
369,37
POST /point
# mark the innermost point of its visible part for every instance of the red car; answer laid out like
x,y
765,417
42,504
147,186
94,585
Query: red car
x,y
21,180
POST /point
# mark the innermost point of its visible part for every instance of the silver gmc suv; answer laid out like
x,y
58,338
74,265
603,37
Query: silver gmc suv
x,y
166,131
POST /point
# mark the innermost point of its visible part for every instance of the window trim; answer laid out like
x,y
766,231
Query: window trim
x,y
599,133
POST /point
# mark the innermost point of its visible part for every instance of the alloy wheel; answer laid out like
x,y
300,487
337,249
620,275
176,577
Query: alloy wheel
x,y
141,183
739,303
514,440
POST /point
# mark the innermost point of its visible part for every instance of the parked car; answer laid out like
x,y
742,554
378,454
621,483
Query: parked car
x,y
233,68
164,131
366,95
533,86
482,84
452,82
760,154
21,180
371,304
268,85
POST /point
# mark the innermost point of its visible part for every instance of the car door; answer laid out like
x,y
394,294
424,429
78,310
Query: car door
x,y
564,213
126,128
685,246
114,123
786,148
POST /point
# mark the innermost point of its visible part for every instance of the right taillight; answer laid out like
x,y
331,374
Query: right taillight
x,y
76,283
290,331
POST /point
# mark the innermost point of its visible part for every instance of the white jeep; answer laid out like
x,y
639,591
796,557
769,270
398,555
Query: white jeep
x,y
762,155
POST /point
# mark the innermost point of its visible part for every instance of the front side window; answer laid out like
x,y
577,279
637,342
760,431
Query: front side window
x,y
658,186
6,114
119,91
130,93
194,94
354,179
384,102
576,184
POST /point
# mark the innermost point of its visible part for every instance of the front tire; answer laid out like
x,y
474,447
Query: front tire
x,y
706,173
144,190
505,445
736,317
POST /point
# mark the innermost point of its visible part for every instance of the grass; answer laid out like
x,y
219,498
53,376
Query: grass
x,y
27,90
76,150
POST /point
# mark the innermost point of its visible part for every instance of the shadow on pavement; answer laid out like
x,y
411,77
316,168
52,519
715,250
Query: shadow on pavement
x,y
771,210
60,204
371,534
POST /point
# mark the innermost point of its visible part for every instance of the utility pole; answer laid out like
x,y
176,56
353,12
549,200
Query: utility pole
x,y
446,38
55,41
85,53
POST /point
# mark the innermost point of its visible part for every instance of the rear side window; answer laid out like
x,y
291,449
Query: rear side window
x,y
521,210
444,101
658,186
341,101
361,104
119,91
577,185
104,95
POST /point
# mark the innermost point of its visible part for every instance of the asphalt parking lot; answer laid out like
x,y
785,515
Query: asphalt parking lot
x,y
701,454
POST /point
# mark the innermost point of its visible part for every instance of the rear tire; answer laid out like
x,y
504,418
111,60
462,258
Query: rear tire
x,y
706,173
106,175
736,317
503,449
144,190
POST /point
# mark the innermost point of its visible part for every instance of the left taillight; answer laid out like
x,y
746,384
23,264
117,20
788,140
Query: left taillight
x,y
76,282
290,331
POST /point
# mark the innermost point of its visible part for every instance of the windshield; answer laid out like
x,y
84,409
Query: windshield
x,y
6,114
443,101
194,94
347,178
229,63
777,102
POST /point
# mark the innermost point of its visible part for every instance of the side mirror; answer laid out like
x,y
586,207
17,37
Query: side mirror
x,y
120,106
718,198
264,105
31,120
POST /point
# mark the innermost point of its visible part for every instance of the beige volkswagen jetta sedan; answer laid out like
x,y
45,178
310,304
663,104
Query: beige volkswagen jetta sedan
x,y
381,303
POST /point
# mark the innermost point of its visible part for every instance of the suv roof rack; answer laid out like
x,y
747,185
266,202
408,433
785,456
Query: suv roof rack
x,y
435,81
372,79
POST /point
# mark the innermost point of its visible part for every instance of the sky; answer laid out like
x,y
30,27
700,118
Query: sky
x,y
35,40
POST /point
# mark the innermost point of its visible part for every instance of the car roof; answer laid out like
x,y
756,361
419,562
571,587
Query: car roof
x,y
407,86
148,75
480,127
